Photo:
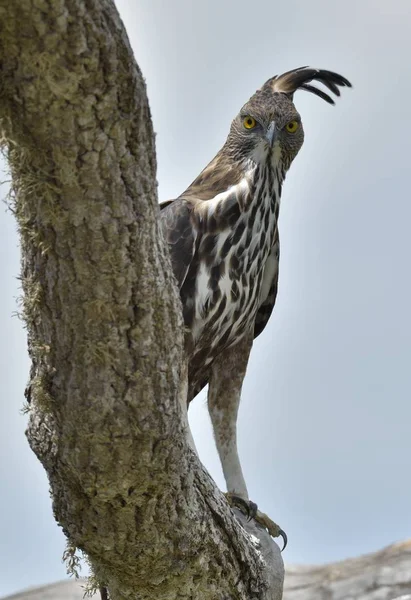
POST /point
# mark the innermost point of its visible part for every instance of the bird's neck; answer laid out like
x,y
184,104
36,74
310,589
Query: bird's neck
x,y
265,181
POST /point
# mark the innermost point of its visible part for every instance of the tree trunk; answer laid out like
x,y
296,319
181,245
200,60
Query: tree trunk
x,y
103,316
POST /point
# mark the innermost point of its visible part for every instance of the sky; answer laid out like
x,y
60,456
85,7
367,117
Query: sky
x,y
324,423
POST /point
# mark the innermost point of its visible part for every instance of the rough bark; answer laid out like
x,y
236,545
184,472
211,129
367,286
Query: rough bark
x,y
383,575
104,319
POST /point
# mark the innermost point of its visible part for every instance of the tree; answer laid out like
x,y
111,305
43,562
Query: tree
x,y
103,316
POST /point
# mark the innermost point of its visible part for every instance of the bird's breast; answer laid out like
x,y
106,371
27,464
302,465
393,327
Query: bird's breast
x,y
230,268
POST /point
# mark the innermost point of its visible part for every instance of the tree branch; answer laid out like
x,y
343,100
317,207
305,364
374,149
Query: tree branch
x,y
103,316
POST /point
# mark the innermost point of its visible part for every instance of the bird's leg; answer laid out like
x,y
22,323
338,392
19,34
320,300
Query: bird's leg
x,y
227,374
183,397
224,393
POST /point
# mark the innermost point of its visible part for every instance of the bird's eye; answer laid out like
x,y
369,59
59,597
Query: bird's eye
x,y
292,126
249,122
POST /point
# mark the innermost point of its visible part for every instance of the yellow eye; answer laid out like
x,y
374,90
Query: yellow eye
x,y
292,126
249,122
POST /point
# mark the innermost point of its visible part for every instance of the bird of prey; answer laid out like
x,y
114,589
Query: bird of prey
x,y
222,234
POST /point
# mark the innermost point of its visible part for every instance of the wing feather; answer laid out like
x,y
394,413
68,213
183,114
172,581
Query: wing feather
x,y
180,235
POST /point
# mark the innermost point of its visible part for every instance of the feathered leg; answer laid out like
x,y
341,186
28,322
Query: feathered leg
x,y
226,380
224,393
183,399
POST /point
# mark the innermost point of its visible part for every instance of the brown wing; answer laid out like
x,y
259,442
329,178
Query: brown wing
x,y
269,288
179,233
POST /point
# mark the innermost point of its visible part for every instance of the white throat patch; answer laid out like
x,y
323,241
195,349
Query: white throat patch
x,y
260,153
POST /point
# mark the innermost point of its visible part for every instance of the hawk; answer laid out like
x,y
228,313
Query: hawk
x,y
222,234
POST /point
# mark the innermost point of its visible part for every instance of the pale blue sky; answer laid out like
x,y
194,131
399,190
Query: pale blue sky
x,y
324,424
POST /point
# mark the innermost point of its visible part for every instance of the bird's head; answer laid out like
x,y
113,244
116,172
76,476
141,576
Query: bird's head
x,y
269,127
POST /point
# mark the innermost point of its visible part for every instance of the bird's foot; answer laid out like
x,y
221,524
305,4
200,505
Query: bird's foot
x,y
247,507
251,511
273,529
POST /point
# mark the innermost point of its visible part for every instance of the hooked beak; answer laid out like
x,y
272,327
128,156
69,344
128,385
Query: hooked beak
x,y
271,134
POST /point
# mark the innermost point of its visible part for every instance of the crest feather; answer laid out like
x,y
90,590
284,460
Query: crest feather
x,y
299,79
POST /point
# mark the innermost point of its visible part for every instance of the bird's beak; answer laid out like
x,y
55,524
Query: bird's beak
x,y
271,134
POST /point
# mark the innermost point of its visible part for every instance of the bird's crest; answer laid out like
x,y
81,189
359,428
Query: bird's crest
x,y
300,79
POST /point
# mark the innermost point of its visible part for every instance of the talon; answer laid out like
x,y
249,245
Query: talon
x,y
247,507
273,529
285,539
250,509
